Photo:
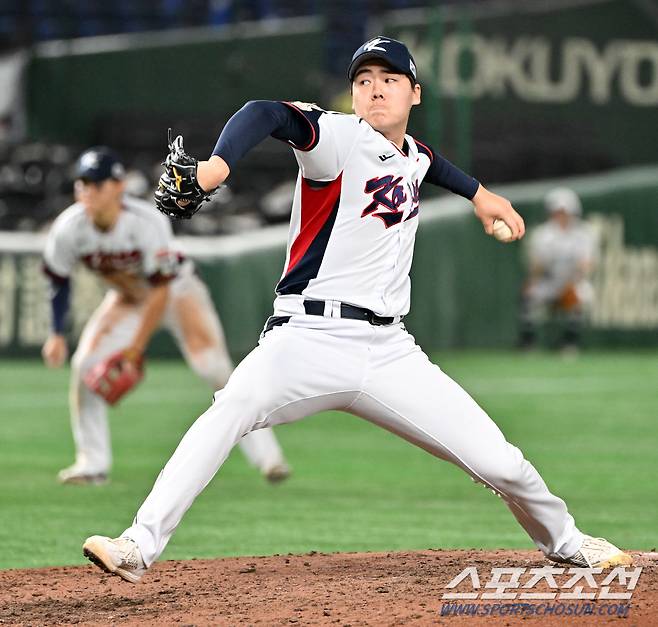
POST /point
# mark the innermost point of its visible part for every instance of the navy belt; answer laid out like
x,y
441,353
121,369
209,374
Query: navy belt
x,y
317,308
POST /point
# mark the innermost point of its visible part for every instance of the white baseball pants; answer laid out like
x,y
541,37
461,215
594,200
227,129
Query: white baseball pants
x,y
191,317
313,364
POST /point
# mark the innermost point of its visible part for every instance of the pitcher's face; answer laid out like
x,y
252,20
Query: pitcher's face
x,y
383,97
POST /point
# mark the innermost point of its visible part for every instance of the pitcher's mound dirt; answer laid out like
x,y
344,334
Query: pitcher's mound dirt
x,y
404,588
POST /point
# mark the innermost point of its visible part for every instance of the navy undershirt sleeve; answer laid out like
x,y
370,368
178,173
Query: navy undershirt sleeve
x,y
257,120
445,174
60,294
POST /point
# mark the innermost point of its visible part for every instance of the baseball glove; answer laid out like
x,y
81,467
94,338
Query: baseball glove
x,y
115,376
179,194
569,298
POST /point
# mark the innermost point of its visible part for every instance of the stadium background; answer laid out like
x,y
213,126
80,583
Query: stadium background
x,y
541,92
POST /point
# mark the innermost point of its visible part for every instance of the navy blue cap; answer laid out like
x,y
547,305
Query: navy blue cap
x,y
394,53
98,164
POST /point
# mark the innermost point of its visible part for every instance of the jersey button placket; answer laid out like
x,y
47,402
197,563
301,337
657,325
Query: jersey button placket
x,y
400,228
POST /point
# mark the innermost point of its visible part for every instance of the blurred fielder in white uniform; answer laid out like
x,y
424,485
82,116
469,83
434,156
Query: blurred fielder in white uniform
x,y
130,245
336,341
562,253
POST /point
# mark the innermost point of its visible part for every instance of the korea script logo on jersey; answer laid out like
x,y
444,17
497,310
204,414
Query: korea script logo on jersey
x,y
414,188
387,196
110,262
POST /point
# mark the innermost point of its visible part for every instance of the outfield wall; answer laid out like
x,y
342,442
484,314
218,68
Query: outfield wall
x,y
465,285
577,77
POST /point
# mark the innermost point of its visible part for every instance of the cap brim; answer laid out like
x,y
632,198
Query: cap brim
x,y
90,178
369,56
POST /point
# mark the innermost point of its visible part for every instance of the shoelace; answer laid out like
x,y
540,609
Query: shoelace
x,y
597,544
129,555
596,548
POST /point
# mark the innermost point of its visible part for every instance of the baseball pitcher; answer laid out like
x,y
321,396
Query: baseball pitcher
x,y
336,340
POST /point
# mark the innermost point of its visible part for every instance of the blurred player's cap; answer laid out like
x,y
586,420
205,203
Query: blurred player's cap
x,y
98,164
394,53
563,199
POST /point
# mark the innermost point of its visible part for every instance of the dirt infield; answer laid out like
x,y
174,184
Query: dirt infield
x,y
319,589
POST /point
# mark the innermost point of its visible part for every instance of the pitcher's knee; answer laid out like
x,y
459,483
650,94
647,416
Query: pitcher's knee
x,y
506,475
506,480
235,414
243,401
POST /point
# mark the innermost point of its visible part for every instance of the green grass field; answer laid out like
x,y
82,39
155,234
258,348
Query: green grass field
x,y
588,425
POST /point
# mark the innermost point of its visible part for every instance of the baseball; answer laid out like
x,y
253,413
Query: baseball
x,y
501,231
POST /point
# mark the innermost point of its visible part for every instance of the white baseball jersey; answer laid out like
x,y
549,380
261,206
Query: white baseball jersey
x,y
562,252
140,245
354,217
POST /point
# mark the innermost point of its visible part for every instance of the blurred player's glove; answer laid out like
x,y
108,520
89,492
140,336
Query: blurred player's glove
x,y
179,195
569,298
115,376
